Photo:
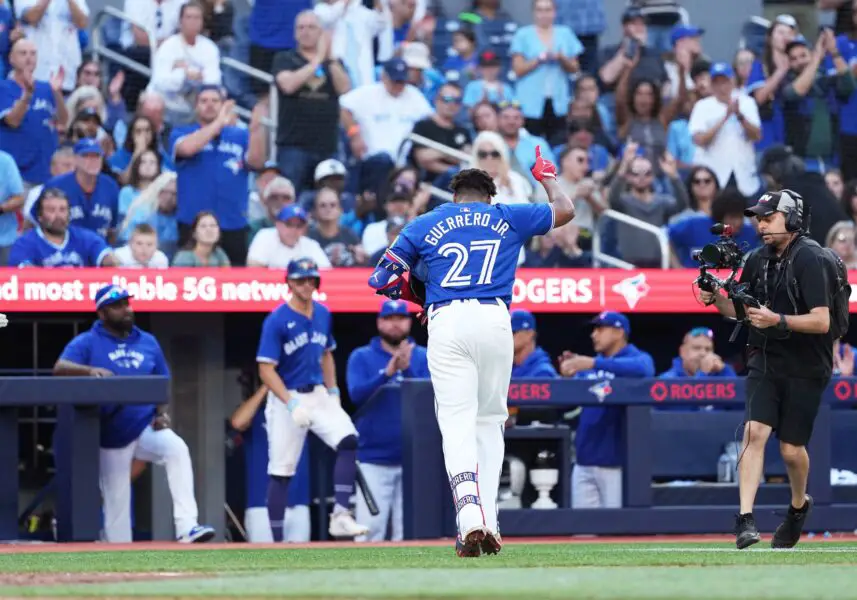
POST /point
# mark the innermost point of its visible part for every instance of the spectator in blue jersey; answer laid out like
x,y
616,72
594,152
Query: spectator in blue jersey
x,y
11,199
30,113
696,357
489,87
690,234
388,358
249,419
597,474
462,66
93,197
55,243
272,30
115,346
156,207
213,160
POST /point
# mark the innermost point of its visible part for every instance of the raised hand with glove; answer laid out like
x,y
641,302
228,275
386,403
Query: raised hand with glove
x,y
544,172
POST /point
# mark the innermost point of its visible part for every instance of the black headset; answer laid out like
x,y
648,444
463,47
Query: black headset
x,y
794,217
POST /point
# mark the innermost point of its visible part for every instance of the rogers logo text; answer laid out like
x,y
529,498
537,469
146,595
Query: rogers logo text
x,y
662,390
553,290
530,391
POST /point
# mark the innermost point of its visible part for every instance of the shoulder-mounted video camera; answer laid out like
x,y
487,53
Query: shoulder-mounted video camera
x,y
725,253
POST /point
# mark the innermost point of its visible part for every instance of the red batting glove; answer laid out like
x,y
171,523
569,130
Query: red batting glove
x,y
543,169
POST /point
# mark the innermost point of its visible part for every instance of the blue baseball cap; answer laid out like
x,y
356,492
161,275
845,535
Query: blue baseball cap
x,y
110,294
612,319
721,69
88,146
798,41
701,331
392,308
396,69
523,320
302,268
679,32
631,13
292,211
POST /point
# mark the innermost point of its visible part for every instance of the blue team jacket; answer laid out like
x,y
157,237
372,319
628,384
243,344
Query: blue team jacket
x,y
380,427
677,370
598,442
537,364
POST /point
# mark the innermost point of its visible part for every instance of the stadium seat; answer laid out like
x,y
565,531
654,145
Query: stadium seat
x,y
753,34
660,22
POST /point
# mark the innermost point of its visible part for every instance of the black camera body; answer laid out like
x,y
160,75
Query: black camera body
x,y
725,253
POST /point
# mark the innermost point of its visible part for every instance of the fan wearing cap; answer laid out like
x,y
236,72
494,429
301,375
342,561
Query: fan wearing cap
x,y
213,159
819,81
115,346
790,357
617,58
488,87
724,127
686,41
596,481
421,74
387,359
378,117
93,197
30,112
329,173
276,247
55,243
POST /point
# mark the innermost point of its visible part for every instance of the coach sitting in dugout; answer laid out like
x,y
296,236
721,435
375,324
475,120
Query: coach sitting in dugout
x,y
530,362
388,358
115,346
596,481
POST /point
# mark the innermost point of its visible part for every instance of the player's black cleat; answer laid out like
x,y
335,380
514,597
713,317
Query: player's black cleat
x,y
471,546
746,533
492,544
788,533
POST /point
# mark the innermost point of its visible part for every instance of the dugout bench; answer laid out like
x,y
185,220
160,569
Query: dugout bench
x,y
656,442
75,449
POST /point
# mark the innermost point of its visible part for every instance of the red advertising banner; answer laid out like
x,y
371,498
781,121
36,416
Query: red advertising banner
x,y
342,290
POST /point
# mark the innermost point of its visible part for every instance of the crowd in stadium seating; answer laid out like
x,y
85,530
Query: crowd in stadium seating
x,y
650,127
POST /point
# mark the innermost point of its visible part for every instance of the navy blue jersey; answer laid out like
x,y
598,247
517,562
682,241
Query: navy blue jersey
x,y
137,354
97,211
81,248
470,250
296,343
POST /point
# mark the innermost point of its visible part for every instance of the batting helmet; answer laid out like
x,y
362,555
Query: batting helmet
x,y
303,268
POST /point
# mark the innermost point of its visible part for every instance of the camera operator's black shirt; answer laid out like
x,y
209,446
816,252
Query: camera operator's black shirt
x,y
799,355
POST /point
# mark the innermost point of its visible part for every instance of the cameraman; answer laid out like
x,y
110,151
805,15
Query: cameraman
x,y
789,357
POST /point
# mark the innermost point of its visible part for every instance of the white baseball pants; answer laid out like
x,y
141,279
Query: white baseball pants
x,y
286,439
470,353
385,481
162,447
596,487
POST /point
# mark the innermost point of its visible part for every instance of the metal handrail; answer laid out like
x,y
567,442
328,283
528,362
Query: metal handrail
x,y
658,232
99,49
442,148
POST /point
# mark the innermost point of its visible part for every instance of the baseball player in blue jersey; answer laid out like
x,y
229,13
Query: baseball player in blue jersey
x,y
296,364
468,250
249,418
115,346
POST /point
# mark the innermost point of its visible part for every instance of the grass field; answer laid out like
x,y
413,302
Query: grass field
x,y
826,569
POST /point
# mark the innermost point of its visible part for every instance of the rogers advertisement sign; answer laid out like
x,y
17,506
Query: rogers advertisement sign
x,y
702,391
342,290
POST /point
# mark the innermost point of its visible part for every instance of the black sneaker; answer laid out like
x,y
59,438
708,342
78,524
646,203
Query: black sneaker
x,y
746,533
788,533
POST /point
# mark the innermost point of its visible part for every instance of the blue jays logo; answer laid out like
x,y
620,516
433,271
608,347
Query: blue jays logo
x,y
602,389
633,289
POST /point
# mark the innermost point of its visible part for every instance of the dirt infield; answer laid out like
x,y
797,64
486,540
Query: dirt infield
x,y
37,548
